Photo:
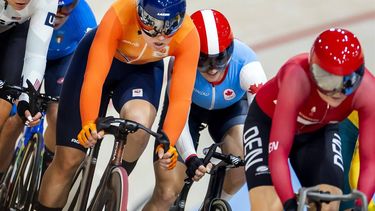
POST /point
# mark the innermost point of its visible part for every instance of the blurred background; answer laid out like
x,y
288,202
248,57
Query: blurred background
x,y
276,30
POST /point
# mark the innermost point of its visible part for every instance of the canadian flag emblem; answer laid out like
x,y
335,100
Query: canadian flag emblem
x,y
253,89
229,94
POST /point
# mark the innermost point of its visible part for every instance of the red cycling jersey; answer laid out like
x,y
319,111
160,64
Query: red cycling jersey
x,y
292,101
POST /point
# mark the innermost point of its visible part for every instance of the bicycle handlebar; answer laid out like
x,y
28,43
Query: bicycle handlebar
x,y
37,102
120,128
314,195
230,159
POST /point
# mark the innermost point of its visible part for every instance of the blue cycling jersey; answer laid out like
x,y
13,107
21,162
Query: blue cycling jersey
x,y
65,39
229,91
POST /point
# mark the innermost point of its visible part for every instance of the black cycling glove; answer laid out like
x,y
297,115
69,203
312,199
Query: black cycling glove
x,y
291,205
22,106
192,165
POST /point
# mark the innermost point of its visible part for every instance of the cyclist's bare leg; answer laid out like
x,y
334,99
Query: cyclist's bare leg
x,y
144,113
264,198
5,108
12,128
168,185
332,206
50,133
57,179
235,177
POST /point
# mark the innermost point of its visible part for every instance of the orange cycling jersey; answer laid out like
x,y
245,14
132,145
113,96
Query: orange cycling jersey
x,y
119,35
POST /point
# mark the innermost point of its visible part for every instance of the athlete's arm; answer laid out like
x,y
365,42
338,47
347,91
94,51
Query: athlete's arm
x,y
38,39
252,77
99,62
293,91
185,144
182,84
366,113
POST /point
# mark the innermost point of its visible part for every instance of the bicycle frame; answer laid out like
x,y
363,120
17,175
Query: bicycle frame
x,y
90,165
29,132
217,176
120,132
215,186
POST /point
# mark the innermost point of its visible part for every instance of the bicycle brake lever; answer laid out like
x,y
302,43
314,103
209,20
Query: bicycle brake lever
x,y
163,139
209,153
33,97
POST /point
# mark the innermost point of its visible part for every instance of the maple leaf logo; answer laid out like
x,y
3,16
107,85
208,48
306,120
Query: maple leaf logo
x,y
253,89
228,92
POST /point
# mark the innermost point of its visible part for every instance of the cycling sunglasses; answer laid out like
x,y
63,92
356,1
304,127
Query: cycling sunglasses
x,y
218,61
153,27
333,84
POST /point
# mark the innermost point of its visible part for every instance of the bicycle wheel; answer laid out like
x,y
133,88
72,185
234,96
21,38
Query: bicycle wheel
x,y
75,188
219,205
114,196
4,186
27,175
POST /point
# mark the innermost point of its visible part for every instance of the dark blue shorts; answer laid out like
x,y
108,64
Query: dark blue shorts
x,y
54,76
124,82
12,53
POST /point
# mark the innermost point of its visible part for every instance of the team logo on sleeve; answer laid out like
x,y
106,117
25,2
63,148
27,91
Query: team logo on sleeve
x,y
229,94
50,19
253,89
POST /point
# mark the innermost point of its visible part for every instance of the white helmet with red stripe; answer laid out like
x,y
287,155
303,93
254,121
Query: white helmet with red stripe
x,y
216,39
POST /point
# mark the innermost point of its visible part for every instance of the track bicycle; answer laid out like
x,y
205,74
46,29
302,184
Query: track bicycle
x,y
112,191
313,195
20,183
212,200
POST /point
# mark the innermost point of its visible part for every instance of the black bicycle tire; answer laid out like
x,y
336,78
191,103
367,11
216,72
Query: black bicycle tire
x,y
114,197
219,205
33,151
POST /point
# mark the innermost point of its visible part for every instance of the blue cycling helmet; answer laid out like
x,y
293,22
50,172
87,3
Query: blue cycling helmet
x,y
161,16
65,2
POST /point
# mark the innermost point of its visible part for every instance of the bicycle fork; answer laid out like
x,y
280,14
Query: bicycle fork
x,y
87,177
115,161
215,185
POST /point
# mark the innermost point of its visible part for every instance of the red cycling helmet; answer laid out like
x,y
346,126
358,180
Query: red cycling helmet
x,y
216,39
337,61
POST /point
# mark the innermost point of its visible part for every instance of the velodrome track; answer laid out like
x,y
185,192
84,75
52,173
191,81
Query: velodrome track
x,y
276,30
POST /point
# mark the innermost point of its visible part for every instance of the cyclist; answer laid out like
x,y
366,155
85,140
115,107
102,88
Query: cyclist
x,y
73,19
229,74
348,129
295,115
124,55
25,32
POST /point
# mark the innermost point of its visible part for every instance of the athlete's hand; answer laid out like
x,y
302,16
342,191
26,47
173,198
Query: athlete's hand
x,y
167,160
195,168
88,135
23,111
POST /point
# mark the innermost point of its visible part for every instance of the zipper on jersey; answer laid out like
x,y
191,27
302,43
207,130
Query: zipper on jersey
x,y
213,98
325,113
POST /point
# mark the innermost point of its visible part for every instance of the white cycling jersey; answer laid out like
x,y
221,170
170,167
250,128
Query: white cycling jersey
x,y
41,14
